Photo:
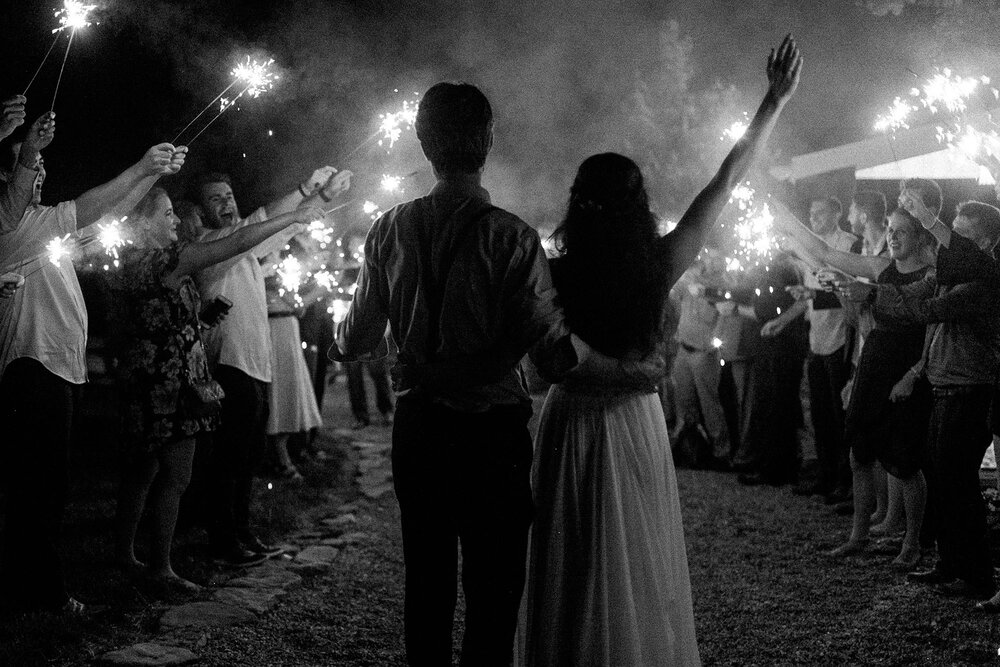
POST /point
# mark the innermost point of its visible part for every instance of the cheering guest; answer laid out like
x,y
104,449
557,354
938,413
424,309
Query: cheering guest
x,y
43,337
239,350
961,305
168,395
883,425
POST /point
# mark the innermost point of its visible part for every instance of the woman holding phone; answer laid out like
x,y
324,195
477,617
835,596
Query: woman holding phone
x,y
168,393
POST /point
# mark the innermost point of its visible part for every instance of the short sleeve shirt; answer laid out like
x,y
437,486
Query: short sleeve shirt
x,y
243,339
46,319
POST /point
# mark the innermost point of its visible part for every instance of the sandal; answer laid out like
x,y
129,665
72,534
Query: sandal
x,y
73,607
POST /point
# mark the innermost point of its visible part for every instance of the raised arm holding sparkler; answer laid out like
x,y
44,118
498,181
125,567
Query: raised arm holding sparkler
x,y
687,239
18,191
119,195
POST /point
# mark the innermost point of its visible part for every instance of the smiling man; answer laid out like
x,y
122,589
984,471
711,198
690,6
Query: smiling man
x,y
239,350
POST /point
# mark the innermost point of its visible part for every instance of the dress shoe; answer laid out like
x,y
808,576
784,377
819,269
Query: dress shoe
x,y
932,577
961,588
991,606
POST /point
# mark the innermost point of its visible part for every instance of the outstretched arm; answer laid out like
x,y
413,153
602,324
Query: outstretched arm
x,y
305,190
804,241
197,256
687,239
120,194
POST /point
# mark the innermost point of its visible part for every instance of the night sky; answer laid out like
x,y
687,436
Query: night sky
x,y
554,72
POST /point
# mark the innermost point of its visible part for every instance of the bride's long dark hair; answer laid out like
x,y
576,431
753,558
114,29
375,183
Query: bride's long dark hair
x,y
611,287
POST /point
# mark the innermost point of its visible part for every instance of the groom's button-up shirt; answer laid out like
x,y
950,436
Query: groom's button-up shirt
x,y
498,300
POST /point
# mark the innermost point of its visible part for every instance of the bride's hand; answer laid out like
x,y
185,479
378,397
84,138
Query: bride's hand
x,y
783,69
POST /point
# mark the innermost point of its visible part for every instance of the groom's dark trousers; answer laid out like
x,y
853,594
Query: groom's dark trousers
x,y
462,478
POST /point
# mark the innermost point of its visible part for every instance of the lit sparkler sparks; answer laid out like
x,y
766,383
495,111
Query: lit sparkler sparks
x,y
392,183
59,248
896,117
318,231
949,91
73,15
753,229
290,273
391,125
110,238
370,207
257,76
736,129
754,233
325,280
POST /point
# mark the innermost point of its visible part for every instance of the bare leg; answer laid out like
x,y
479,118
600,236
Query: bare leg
x,y
915,500
894,521
864,504
173,478
137,477
881,495
288,469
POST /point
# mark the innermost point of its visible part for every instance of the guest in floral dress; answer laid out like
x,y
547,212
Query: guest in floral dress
x,y
161,363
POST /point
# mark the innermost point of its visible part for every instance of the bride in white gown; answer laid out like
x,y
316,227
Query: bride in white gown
x,y
608,577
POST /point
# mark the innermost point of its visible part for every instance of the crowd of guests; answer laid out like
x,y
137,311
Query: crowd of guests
x,y
208,357
894,328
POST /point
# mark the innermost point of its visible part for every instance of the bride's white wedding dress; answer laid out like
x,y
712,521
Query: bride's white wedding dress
x,y
608,576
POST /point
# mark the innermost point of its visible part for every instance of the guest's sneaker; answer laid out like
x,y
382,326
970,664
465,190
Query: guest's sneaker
x,y
256,546
237,557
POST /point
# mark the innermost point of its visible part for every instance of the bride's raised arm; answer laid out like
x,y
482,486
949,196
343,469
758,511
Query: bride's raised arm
x,y
682,245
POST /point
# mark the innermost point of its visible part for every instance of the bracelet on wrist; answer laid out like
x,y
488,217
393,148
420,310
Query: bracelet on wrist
x,y
302,191
322,195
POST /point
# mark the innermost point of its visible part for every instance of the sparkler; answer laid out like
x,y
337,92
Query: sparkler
x,y
753,230
391,183
290,273
111,239
258,78
58,248
391,125
736,129
73,15
320,232
944,89
325,280
896,117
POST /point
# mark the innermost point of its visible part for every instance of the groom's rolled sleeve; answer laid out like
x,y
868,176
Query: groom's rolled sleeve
x,y
361,336
538,324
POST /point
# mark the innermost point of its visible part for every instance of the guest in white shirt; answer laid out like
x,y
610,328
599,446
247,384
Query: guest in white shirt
x,y
43,335
239,351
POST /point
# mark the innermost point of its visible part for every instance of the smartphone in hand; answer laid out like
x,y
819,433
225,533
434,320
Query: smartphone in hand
x,y
211,313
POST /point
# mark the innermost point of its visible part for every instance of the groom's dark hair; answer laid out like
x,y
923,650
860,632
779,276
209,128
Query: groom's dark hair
x,y
455,127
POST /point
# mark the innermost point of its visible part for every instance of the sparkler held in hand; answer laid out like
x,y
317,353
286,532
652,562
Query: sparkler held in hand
x,y
258,78
74,15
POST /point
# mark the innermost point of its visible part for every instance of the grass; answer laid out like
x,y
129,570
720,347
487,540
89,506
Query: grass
x,y
763,594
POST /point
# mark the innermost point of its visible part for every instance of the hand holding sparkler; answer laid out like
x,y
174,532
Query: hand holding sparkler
x,y
854,290
336,185
911,202
318,178
40,135
162,159
13,115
